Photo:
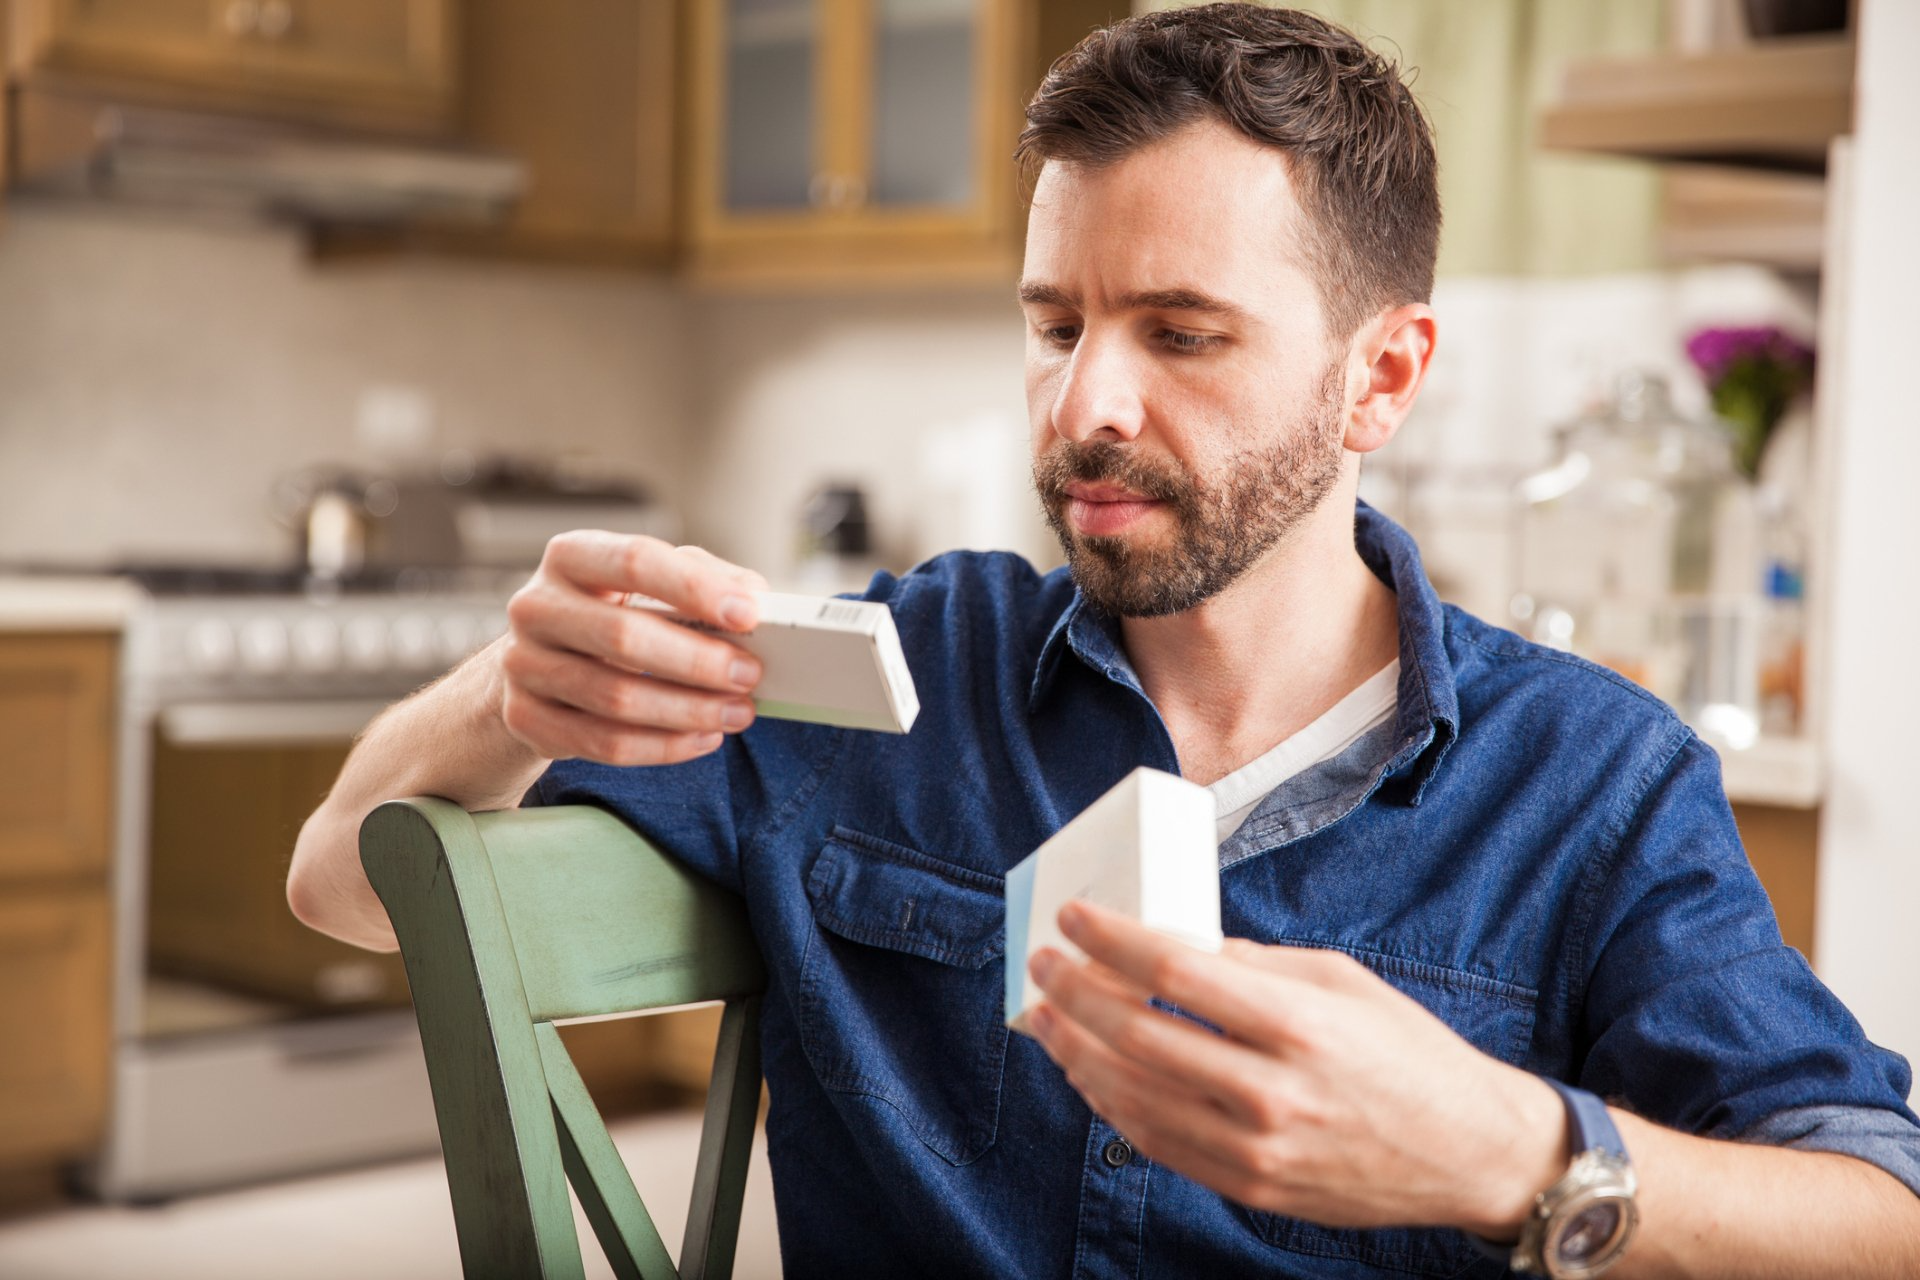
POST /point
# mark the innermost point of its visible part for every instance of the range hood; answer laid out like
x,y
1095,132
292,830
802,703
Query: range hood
x,y
82,145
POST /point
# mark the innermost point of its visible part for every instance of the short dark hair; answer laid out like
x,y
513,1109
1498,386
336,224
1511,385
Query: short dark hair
x,y
1361,151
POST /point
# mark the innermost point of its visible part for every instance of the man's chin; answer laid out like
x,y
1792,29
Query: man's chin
x,y
1129,590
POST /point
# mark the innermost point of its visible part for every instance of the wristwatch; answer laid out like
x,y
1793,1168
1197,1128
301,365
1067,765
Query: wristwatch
x,y
1581,1224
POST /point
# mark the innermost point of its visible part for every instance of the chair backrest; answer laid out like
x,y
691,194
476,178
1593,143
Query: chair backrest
x,y
510,920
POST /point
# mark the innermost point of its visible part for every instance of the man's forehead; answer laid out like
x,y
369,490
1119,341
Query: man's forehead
x,y
1205,211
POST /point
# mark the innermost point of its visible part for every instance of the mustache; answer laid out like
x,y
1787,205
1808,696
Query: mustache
x,y
1105,461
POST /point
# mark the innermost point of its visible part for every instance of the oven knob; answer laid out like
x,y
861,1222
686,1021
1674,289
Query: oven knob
x,y
413,641
210,646
316,645
263,646
366,644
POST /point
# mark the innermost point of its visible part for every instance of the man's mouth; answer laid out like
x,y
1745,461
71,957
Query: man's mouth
x,y
1102,510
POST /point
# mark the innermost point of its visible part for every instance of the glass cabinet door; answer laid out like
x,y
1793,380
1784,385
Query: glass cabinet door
x,y
925,102
863,140
770,58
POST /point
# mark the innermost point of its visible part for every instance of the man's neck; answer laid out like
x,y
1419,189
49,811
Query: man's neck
x,y
1272,653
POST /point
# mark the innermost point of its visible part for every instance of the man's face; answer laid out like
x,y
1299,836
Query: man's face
x,y
1187,407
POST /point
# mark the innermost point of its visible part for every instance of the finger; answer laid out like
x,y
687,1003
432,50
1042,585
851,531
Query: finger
x,y
1108,1082
1113,1015
1248,1181
1319,966
739,573
693,584
1247,1003
635,639
1160,1117
564,733
589,685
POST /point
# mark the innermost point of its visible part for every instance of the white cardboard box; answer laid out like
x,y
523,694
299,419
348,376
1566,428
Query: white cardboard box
x,y
823,659
1145,849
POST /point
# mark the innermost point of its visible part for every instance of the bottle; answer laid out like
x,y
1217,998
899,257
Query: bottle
x,y
1637,548
1783,502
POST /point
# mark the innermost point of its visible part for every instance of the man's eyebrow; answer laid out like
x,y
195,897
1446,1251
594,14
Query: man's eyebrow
x,y
1034,293
1047,295
1182,300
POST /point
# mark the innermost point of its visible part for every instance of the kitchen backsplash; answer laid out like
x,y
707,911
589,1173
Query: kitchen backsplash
x,y
156,377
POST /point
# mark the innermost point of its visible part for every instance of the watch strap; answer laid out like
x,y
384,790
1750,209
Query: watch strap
x,y
1589,1125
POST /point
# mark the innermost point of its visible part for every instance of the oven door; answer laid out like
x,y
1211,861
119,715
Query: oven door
x,y
231,784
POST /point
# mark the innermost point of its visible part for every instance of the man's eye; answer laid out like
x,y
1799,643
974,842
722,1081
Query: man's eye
x,y
1187,343
1059,335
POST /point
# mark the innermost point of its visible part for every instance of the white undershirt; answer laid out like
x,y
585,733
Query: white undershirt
x,y
1236,795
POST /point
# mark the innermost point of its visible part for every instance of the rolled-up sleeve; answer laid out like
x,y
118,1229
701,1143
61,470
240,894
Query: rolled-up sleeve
x,y
1697,1014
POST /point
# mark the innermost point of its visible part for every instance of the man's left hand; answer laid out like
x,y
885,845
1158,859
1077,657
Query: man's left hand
x,y
1327,1095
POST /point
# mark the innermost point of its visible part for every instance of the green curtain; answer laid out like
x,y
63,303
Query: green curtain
x,y
1483,69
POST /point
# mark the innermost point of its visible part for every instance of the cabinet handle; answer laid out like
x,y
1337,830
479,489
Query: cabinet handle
x,y
276,19
242,17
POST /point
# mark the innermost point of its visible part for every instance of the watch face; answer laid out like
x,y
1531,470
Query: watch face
x,y
1590,1233
1590,1236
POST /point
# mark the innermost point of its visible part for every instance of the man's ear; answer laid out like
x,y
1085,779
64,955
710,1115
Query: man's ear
x,y
1393,351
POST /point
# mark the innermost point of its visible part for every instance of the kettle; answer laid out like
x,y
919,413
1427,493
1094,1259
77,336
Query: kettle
x,y
336,518
333,538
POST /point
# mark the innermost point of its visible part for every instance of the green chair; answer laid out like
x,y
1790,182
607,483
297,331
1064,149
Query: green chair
x,y
510,921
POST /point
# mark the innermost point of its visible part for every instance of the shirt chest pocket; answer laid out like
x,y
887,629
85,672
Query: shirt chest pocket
x,y
1496,1018
901,989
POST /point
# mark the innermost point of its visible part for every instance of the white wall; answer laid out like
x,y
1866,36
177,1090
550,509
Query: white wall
x,y
1868,904
156,376
795,392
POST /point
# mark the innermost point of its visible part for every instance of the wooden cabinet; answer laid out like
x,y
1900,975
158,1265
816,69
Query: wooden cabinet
x,y
1782,844
54,950
56,695
56,752
864,141
583,95
387,63
6,104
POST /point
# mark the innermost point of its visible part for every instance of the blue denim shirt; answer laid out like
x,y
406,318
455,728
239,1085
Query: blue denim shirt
x,y
1534,848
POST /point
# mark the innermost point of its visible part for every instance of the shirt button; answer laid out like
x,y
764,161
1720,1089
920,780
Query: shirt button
x,y
1117,1153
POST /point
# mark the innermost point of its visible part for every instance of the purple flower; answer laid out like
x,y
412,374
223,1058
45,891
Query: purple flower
x,y
1715,352
1751,374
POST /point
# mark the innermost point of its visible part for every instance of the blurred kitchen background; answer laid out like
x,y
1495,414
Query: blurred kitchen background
x,y
318,317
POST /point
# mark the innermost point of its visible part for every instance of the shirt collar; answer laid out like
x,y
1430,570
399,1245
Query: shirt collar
x,y
1427,718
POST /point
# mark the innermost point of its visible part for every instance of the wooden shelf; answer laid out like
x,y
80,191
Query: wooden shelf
x,y
1775,104
1737,215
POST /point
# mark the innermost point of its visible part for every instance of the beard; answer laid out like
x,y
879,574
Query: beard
x,y
1222,526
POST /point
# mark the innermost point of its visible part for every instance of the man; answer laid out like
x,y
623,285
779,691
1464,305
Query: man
x,y
1457,868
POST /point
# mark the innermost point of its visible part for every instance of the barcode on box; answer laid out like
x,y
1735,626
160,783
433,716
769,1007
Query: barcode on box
x,y
841,613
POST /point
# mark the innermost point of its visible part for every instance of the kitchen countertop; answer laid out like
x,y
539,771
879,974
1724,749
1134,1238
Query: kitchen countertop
x,y
36,602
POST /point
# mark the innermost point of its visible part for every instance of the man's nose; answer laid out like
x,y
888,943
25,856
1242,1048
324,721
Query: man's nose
x,y
1101,396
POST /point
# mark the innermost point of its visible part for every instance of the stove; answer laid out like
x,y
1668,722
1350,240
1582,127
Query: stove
x,y
272,633
247,1046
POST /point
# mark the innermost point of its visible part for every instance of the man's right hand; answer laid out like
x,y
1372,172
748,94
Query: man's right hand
x,y
578,674
583,675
